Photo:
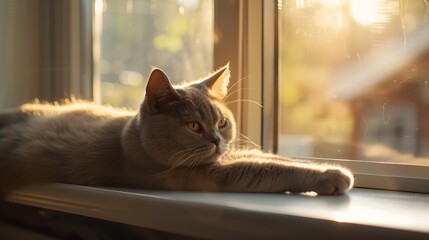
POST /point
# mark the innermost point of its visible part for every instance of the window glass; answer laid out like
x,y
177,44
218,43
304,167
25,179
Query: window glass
x,y
354,80
137,35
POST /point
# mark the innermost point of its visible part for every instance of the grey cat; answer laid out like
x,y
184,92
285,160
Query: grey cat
x,y
179,139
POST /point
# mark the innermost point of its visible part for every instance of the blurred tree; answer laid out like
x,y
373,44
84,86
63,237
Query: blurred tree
x,y
137,35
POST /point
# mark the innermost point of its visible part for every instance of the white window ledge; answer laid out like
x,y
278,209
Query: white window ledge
x,y
361,214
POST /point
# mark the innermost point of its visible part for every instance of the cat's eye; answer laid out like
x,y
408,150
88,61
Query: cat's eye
x,y
193,126
222,123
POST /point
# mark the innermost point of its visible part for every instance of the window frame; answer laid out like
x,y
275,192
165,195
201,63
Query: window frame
x,y
270,80
67,39
52,40
242,47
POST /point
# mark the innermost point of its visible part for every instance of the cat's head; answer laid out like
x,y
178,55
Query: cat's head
x,y
186,125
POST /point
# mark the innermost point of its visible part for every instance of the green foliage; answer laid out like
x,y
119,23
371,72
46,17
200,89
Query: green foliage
x,y
163,34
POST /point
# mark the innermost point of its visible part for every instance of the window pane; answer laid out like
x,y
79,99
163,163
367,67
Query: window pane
x,y
137,35
354,80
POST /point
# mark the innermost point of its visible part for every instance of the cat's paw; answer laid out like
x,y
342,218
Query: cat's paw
x,y
334,181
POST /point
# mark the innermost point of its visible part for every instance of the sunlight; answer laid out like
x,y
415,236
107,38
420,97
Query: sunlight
x,y
99,6
331,3
299,3
366,11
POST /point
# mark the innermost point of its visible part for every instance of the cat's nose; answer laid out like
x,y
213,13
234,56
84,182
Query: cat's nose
x,y
214,138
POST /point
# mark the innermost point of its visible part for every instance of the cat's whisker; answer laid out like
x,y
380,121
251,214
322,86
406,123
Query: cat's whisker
x,y
241,147
195,159
232,92
244,143
232,86
194,154
167,171
184,151
194,163
245,100
188,153
248,140
182,159
237,82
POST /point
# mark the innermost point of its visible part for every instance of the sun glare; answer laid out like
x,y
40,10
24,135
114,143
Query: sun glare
x,y
366,11
330,3
99,6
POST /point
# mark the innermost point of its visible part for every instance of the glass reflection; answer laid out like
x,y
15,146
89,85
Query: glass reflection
x,y
354,80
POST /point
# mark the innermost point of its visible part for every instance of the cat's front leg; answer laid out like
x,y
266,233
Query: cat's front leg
x,y
269,176
334,181
255,173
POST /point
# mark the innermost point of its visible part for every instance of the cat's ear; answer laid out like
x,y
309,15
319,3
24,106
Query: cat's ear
x,y
159,90
218,82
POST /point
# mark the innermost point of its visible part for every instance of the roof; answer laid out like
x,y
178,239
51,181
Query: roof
x,y
357,78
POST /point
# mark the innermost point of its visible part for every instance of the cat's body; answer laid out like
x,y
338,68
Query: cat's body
x,y
179,140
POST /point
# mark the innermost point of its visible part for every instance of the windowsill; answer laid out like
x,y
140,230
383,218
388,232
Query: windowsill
x,y
362,213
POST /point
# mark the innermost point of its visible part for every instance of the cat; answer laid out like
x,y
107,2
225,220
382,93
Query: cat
x,y
180,138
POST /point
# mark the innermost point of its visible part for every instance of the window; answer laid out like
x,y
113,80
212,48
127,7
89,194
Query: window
x,y
353,81
137,35
339,80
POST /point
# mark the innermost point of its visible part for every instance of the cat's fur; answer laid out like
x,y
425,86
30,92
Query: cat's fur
x,y
83,143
